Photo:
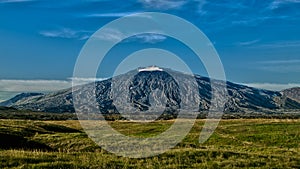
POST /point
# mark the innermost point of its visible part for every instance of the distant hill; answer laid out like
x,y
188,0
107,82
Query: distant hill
x,y
241,98
20,98
292,93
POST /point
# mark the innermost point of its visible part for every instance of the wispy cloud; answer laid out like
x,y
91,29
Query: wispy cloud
x,y
278,44
280,66
273,86
33,85
225,14
200,7
105,15
292,61
113,35
247,43
80,80
163,4
149,38
66,33
42,85
257,19
277,3
139,14
14,1
116,35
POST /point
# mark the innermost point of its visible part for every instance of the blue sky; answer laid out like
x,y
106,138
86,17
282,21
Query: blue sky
x,y
258,41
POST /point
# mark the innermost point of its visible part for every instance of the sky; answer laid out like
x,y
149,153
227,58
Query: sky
x,y
258,42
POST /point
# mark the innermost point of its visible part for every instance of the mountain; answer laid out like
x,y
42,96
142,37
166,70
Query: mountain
x,y
143,89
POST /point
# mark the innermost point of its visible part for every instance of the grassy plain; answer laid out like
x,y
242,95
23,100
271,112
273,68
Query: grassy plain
x,y
238,143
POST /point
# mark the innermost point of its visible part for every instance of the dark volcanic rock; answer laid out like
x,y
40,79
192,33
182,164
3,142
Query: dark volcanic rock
x,y
144,83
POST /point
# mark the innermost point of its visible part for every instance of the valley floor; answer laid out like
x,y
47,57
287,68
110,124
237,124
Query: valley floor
x,y
240,143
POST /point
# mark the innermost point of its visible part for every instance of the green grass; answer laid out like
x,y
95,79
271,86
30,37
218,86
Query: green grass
x,y
240,143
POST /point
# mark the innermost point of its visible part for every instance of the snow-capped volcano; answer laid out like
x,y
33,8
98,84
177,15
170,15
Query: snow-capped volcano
x,y
152,85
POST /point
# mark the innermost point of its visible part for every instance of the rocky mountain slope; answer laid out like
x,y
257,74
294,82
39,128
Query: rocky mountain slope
x,y
292,93
141,90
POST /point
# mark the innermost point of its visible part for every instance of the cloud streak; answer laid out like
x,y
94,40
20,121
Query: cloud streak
x,y
116,35
163,4
280,44
42,85
247,43
280,66
149,38
104,15
278,3
293,61
33,85
80,81
273,86
66,33
111,35
14,1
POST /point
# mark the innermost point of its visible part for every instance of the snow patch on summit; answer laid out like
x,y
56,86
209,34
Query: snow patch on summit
x,y
151,68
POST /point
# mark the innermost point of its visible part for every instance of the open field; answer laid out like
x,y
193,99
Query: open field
x,y
240,143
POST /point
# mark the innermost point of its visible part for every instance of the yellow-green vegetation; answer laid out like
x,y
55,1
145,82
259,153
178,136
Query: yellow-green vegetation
x,y
240,143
